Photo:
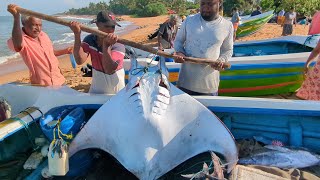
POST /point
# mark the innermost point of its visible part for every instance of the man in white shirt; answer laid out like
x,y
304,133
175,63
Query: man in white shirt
x,y
203,35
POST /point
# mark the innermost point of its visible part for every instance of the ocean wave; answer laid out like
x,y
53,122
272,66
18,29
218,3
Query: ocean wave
x,y
125,23
76,17
4,59
67,38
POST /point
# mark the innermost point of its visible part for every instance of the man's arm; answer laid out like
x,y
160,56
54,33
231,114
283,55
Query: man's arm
x,y
180,38
78,52
315,52
178,44
238,17
63,51
16,30
226,49
109,66
159,37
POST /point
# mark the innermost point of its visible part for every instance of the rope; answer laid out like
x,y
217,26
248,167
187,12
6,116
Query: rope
x,y
29,133
33,119
309,39
60,133
24,111
202,171
178,173
59,145
144,69
36,108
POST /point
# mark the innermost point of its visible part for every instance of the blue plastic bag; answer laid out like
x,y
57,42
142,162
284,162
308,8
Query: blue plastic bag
x,y
73,61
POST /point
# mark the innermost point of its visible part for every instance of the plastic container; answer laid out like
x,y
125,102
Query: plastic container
x,y
72,120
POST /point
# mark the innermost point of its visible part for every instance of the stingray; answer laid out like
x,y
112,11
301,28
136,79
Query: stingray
x,y
151,126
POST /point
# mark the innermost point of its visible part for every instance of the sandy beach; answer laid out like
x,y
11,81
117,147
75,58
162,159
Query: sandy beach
x,y
142,28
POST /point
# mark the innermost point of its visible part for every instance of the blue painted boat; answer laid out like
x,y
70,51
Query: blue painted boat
x,y
294,122
251,24
264,67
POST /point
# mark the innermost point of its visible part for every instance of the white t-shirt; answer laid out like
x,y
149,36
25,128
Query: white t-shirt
x,y
203,39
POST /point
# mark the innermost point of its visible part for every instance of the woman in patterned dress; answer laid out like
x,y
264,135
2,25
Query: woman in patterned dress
x,y
310,89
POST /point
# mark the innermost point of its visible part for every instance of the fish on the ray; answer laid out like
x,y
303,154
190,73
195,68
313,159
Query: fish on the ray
x,y
151,126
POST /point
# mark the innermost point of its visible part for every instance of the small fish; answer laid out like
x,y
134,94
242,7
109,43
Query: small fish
x,y
282,157
268,141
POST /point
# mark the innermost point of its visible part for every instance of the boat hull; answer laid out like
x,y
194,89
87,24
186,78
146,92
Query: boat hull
x,y
252,25
293,122
258,68
251,78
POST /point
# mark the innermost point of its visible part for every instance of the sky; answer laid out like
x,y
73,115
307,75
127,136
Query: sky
x,y
46,6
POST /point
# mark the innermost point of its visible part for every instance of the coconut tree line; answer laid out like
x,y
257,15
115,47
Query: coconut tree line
x,y
138,7
183,7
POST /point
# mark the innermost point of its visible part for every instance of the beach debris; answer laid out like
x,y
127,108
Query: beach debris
x,y
145,124
141,27
204,173
45,173
218,170
5,109
87,70
282,157
33,161
40,141
45,150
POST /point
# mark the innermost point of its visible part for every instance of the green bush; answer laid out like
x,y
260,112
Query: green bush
x,y
120,9
153,9
267,5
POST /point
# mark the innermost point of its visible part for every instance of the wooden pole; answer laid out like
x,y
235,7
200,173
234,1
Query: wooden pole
x,y
120,40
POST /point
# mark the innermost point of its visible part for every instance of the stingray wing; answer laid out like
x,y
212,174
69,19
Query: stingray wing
x,y
148,145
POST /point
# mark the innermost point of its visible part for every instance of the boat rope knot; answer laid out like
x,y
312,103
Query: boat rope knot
x,y
310,39
59,144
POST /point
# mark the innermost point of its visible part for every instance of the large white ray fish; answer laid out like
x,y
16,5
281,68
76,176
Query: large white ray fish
x,y
151,126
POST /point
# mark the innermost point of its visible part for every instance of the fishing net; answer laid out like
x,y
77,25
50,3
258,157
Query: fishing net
x,y
12,169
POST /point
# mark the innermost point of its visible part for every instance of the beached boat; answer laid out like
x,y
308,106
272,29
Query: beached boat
x,y
293,122
251,24
263,67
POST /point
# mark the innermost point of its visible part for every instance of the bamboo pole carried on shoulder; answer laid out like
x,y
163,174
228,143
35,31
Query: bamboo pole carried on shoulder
x,y
120,40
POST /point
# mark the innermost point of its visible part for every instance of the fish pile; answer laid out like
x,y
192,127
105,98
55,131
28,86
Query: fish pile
x,y
282,157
